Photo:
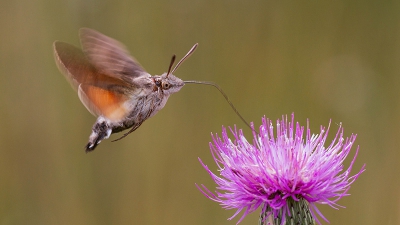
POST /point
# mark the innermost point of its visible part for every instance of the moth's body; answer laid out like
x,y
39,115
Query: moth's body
x,y
112,85
144,103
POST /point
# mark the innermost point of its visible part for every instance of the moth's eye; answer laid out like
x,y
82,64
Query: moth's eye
x,y
158,83
165,85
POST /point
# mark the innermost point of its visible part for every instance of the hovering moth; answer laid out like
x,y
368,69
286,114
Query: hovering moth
x,y
113,86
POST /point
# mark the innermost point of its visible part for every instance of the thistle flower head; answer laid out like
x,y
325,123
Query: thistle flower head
x,y
277,170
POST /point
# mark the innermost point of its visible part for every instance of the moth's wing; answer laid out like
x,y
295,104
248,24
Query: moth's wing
x,y
109,55
104,102
101,94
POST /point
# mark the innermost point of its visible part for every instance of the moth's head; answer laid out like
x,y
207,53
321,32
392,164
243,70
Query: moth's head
x,y
169,83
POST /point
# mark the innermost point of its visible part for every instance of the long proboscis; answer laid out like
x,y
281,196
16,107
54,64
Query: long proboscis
x,y
223,94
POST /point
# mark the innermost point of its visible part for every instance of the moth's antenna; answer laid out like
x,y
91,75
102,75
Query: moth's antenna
x,y
185,57
171,64
225,96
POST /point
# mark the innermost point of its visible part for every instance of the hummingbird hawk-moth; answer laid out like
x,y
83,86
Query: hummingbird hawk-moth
x,y
113,86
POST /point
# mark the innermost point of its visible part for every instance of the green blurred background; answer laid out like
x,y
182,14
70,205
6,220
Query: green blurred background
x,y
321,60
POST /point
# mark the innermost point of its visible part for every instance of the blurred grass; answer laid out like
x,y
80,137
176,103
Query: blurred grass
x,y
322,60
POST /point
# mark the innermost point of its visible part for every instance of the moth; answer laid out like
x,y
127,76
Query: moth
x,y
113,86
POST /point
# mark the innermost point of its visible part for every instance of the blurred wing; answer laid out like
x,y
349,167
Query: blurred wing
x,y
109,55
99,101
101,94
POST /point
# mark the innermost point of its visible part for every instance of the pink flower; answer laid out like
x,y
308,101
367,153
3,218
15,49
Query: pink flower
x,y
276,170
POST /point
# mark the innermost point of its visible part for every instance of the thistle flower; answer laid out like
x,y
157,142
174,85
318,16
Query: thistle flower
x,y
284,174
